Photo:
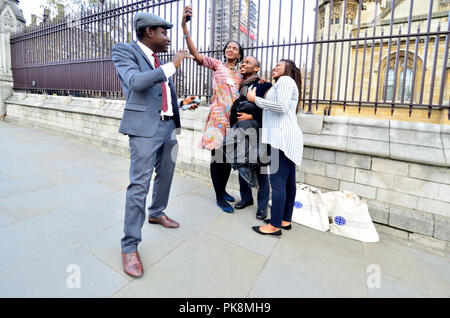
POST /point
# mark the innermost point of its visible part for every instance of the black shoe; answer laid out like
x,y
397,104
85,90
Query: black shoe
x,y
257,230
261,214
287,227
242,205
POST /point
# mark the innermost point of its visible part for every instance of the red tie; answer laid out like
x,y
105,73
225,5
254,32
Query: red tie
x,y
163,86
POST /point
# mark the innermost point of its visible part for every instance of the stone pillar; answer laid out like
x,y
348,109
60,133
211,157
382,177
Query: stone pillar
x,y
11,21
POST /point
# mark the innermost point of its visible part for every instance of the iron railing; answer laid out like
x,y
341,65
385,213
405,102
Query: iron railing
x,y
351,52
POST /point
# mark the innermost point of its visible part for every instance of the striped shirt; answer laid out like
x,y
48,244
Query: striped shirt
x,y
280,127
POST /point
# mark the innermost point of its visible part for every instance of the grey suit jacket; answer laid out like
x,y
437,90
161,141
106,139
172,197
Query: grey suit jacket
x,y
141,84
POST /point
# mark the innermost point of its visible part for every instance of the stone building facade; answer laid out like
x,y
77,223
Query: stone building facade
x,y
379,74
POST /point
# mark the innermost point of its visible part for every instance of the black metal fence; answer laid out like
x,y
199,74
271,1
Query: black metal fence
x,y
351,52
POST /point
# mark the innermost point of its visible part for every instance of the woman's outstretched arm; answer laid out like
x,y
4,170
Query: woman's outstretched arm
x,y
187,35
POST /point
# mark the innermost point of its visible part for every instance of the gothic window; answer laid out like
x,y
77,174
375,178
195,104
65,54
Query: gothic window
x,y
335,15
399,81
407,82
389,90
403,78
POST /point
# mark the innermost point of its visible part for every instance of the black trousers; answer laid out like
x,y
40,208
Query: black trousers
x,y
263,191
220,172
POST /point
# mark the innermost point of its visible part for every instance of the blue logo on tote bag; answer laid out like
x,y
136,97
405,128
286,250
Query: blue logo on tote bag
x,y
339,220
298,204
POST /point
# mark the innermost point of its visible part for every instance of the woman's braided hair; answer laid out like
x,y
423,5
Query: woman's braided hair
x,y
293,71
241,51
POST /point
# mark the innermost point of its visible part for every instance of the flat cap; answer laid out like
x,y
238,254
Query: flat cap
x,y
147,19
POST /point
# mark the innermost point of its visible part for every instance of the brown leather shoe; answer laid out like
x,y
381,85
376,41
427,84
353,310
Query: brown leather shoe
x,y
164,221
132,264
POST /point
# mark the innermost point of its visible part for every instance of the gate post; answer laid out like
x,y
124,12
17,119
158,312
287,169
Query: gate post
x,y
11,20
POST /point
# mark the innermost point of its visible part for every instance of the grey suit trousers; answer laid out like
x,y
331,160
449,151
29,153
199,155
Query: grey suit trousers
x,y
157,153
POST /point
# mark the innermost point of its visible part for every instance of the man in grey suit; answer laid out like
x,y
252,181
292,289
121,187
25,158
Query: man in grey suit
x,y
151,120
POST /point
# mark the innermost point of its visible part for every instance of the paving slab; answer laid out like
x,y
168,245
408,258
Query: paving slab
x,y
392,287
62,203
105,245
30,146
417,267
69,159
22,185
237,228
205,266
24,242
328,237
57,276
4,176
116,164
77,174
117,180
208,191
102,211
193,212
301,266
6,218
38,202
18,167
180,186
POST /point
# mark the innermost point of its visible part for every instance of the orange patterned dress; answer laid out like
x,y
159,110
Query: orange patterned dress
x,y
226,84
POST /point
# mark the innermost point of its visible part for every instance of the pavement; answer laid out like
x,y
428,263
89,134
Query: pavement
x,y
61,221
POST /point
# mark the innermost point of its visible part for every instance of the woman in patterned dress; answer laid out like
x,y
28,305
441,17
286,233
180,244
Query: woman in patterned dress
x,y
226,82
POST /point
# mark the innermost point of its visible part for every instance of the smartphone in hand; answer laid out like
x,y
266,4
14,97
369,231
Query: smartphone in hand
x,y
189,18
195,101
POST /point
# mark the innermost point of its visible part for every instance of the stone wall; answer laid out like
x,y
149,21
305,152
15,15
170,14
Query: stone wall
x,y
401,169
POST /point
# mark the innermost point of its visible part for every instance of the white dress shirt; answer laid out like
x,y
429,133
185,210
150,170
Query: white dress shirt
x,y
168,69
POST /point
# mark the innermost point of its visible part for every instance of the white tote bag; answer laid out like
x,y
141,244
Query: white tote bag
x,y
329,199
350,217
309,208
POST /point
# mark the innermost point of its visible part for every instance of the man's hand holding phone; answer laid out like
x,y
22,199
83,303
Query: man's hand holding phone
x,y
190,102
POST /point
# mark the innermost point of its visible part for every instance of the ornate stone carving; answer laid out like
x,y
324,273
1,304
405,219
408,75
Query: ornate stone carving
x,y
336,13
321,19
8,20
350,16
445,4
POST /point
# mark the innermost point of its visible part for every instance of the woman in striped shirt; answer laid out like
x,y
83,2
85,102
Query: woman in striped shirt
x,y
281,131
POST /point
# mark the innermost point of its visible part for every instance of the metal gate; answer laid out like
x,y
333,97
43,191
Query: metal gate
x,y
372,53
